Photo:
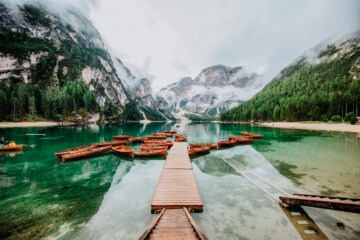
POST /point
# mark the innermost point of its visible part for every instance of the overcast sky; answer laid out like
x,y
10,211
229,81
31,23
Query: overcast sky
x,y
165,40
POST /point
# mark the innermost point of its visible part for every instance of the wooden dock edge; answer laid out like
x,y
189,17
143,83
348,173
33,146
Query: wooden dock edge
x,y
321,203
190,208
198,231
151,227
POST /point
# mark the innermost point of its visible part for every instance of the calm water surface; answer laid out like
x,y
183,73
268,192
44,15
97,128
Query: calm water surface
x,y
108,197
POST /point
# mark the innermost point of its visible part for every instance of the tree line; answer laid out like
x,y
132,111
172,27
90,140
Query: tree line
x,y
26,101
305,92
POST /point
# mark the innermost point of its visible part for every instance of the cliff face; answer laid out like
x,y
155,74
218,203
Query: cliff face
x,y
213,91
39,48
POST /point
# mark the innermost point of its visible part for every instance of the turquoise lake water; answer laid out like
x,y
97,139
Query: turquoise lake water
x,y
108,197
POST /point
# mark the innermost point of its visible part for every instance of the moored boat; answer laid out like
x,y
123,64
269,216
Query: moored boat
x,y
150,153
121,137
252,135
153,147
136,140
180,138
256,136
85,153
10,147
197,150
168,144
171,132
112,143
82,148
226,143
196,145
242,140
157,141
123,150
156,137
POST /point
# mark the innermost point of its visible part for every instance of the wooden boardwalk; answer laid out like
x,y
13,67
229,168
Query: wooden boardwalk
x,y
176,195
173,224
177,186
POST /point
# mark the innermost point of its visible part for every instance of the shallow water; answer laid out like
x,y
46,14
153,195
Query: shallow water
x,y
108,197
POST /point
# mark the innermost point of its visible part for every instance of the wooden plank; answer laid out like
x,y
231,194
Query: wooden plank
x,y
177,188
322,203
198,231
174,224
326,196
177,162
179,148
153,224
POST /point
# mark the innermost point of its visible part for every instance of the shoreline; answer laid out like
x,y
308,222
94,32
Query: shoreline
x,y
33,124
333,127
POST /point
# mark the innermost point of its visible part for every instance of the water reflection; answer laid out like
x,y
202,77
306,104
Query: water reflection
x,y
109,196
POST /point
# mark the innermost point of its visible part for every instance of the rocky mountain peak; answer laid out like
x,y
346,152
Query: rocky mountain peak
x,y
214,90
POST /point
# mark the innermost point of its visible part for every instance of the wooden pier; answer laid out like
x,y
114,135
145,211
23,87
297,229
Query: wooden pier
x,y
176,195
323,201
177,186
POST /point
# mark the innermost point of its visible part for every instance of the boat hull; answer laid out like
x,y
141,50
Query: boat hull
x,y
148,153
198,150
123,150
11,148
84,154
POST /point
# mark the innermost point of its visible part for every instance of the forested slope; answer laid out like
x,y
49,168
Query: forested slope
x,y
314,88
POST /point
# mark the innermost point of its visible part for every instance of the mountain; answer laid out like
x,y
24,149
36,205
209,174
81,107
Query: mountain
x,y
212,92
322,83
53,66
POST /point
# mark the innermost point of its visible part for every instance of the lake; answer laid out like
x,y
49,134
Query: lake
x,y
108,197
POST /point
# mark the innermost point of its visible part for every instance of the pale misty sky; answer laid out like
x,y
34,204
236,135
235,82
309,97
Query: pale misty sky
x,y
165,40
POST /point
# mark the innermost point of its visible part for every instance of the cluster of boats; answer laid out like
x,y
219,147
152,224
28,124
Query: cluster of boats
x,y
153,145
244,138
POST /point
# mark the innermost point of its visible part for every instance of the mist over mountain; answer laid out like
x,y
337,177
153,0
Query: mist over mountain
x,y
320,84
54,60
215,90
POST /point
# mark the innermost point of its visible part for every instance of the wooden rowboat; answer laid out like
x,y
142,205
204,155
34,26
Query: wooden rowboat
x,y
236,136
136,140
85,153
168,144
197,150
241,139
123,150
153,147
226,143
180,138
171,132
121,137
83,148
196,145
256,136
157,141
11,148
150,153
252,135
112,143
156,137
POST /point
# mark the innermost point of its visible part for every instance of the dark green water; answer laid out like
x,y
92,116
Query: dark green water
x,y
108,197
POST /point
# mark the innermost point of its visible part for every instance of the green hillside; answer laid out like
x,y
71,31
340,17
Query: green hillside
x,y
308,91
